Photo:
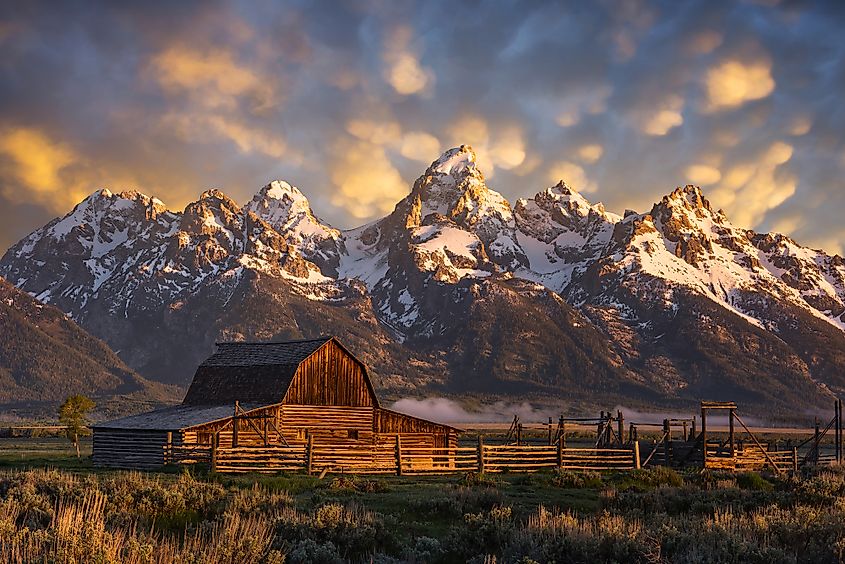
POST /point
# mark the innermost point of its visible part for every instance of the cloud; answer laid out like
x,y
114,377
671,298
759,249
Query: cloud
x,y
590,153
800,125
366,183
36,159
703,175
664,118
732,83
508,149
403,70
376,132
420,146
572,174
207,128
704,42
212,78
749,190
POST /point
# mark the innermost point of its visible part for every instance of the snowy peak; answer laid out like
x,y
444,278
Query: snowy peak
x,y
455,162
288,211
454,187
280,204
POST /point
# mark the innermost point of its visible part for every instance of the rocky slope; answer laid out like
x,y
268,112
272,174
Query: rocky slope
x,y
458,291
45,357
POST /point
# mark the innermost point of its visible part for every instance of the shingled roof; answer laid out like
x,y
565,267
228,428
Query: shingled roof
x,y
257,373
174,418
264,354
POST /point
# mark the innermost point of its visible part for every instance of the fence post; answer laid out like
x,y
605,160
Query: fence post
x,y
731,433
398,455
309,454
480,454
841,431
563,432
838,432
168,454
666,441
703,437
620,427
637,455
816,441
215,444
235,426
560,452
518,434
795,460
550,432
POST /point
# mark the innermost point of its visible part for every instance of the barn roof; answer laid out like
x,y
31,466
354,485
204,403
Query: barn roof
x,y
265,354
250,372
173,418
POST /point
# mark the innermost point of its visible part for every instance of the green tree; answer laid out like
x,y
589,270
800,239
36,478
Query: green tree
x,y
73,414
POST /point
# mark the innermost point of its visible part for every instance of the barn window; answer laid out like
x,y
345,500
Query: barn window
x,y
352,434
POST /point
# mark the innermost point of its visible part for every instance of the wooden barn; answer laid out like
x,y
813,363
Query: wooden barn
x,y
282,394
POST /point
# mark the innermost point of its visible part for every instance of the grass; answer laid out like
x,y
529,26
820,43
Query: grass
x,y
55,452
73,513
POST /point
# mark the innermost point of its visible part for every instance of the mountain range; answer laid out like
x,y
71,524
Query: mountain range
x,y
459,292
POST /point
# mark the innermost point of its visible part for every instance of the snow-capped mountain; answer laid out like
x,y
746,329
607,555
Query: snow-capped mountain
x,y
457,290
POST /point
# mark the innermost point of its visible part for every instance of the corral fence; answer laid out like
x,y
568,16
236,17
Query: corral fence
x,y
317,458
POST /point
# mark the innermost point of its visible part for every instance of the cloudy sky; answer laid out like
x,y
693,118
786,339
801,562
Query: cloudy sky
x,y
351,100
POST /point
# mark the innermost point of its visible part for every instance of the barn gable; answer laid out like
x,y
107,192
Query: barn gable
x,y
331,375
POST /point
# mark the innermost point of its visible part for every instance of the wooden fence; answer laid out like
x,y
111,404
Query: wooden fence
x,y
395,459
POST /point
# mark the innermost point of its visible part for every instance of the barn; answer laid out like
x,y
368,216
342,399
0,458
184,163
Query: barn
x,y
269,394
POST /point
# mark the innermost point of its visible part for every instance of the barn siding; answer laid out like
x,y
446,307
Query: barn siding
x,y
123,448
330,376
327,423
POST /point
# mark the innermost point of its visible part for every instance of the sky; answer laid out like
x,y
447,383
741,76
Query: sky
x,y
351,100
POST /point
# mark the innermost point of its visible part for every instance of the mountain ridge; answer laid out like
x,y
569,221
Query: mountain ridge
x,y
455,245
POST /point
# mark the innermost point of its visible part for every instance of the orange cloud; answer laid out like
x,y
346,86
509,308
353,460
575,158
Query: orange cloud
x,y
213,78
420,146
403,70
664,118
732,83
38,160
366,183
702,174
590,153
202,128
748,190
572,174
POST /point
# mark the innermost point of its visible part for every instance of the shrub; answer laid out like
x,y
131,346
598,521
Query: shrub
x,y
753,481
570,479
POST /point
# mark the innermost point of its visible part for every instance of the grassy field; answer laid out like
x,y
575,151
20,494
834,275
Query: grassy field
x,y
54,508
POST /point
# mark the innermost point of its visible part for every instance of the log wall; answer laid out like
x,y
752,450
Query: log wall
x,y
120,448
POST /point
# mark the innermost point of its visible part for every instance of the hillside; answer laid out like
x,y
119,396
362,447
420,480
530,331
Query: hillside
x,y
45,357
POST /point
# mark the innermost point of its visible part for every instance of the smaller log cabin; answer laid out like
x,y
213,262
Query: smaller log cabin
x,y
268,394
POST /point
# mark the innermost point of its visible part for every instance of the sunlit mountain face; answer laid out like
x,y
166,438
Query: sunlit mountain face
x,y
462,291
619,99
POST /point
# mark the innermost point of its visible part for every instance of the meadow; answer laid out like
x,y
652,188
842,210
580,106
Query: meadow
x,y
54,508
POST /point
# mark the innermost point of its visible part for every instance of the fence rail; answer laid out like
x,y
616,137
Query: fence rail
x,y
395,459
